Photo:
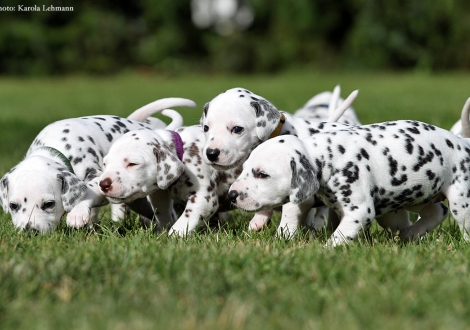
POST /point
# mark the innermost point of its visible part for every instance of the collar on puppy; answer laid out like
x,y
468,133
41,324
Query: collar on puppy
x,y
62,157
278,127
319,106
178,144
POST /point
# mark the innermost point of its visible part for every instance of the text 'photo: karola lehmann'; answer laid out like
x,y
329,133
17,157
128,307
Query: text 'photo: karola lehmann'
x,y
35,8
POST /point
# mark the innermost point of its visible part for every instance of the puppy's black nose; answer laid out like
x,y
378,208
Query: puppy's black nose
x,y
233,194
106,184
212,154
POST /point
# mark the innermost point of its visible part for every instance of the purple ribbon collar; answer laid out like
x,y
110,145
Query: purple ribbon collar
x,y
178,144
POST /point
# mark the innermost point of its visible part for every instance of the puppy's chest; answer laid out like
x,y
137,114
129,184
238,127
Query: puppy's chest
x,y
209,183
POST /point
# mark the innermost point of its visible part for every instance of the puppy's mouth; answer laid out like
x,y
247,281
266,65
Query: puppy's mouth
x,y
251,208
221,167
254,208
126,199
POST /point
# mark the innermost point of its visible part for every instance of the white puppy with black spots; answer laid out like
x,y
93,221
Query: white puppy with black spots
x,y
61,170
166,166
361,172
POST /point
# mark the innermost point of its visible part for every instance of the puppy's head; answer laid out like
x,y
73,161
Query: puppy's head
x,y
38,191
235,122
138,163
277,172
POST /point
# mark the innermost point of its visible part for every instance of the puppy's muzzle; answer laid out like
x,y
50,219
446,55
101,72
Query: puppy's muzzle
x,y
213,154
232,195
106,184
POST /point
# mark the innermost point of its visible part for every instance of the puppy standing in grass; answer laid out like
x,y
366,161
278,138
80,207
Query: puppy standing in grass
x,y
62,166
361,173
237,121
161,165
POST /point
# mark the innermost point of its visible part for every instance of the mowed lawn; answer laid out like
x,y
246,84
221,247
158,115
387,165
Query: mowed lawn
x,y
120,276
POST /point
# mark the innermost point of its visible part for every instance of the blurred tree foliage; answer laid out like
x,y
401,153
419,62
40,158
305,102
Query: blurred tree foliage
x,y
108,36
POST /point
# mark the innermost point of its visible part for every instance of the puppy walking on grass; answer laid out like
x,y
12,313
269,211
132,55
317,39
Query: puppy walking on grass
x,y
361,173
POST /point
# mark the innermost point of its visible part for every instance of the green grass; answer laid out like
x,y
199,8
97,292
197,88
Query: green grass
x,y
119,276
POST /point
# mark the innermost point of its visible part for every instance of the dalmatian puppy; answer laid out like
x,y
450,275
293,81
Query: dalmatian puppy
x,y
462,127
361,172
237,121
166,165
322,105
61,170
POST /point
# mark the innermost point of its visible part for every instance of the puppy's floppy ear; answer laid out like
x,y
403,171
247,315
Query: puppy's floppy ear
x,y
267,118
4,193
204,113
304,182
73,189
169,167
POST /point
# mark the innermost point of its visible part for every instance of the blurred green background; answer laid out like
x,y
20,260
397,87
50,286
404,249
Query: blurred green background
x,y
236,36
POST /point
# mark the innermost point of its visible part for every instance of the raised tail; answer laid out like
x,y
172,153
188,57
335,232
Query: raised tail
x,y
176,119
343,107
158,106
334,100
464,119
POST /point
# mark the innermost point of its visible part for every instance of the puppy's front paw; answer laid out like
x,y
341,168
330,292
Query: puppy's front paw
x,y
286,232
177,232
78,217
258,222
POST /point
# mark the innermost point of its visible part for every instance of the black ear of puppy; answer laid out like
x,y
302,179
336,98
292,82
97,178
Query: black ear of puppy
x,y
304,183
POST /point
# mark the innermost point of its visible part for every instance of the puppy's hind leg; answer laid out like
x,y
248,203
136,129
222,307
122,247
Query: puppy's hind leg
x,y
430,216
396,221
461,214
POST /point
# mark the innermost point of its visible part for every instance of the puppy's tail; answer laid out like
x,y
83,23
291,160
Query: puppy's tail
x,y
343,107
464,119
176,119
146,111
334,100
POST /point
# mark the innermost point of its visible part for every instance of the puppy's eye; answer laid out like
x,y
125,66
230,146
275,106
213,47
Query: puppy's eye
x,y
104,165
132,164
206,128
14,206
262,175
48,205
237,129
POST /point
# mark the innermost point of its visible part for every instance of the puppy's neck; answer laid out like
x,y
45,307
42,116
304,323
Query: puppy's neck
x,y
174,142
54,154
